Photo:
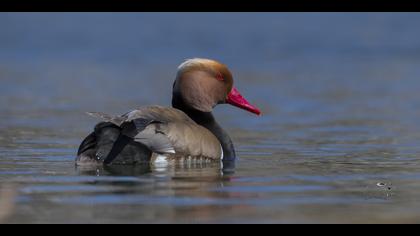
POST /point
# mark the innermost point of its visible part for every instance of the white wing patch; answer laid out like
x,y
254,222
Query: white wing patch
x,y
161,160
157,142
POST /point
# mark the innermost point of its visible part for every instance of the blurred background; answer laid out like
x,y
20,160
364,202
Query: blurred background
x,y
339,134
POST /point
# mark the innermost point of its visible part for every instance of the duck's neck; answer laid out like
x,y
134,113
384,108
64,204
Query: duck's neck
x,y
206,119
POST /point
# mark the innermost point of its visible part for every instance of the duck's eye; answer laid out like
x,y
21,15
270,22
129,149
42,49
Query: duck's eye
x,y
219,77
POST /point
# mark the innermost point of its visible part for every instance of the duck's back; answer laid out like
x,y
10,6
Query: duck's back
x,y
167,133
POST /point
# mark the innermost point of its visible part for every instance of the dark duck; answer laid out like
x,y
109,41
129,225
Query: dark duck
x,y
186,132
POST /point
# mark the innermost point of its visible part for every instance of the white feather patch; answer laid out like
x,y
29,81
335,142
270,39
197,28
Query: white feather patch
x,y
161,160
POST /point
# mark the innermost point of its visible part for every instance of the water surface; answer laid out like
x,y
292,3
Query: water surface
x,y
338,141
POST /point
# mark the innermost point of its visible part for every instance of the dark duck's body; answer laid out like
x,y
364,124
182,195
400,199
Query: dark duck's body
x,y
186,132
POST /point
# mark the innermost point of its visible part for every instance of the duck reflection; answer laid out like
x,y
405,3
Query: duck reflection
x,y
166,193
226,168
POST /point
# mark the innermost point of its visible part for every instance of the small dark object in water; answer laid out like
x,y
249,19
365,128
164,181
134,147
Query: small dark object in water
x,y
383,185
380,184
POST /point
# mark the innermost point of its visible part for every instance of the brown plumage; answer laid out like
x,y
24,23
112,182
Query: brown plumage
x,y
169,132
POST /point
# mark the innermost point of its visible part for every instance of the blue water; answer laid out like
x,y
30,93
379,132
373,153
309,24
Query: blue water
x,y
338,141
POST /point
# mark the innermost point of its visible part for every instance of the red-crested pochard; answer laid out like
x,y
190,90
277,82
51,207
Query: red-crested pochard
x,y
188,131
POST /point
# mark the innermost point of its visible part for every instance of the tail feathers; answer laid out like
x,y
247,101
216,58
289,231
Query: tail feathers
x,y
88,143
107,145
100,115
117,120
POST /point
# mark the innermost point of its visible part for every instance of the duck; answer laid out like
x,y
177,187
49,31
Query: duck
x,y
187,131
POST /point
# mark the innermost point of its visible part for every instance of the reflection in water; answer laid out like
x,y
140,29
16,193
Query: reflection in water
x,y
180,192
7,200
114,170
226,168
